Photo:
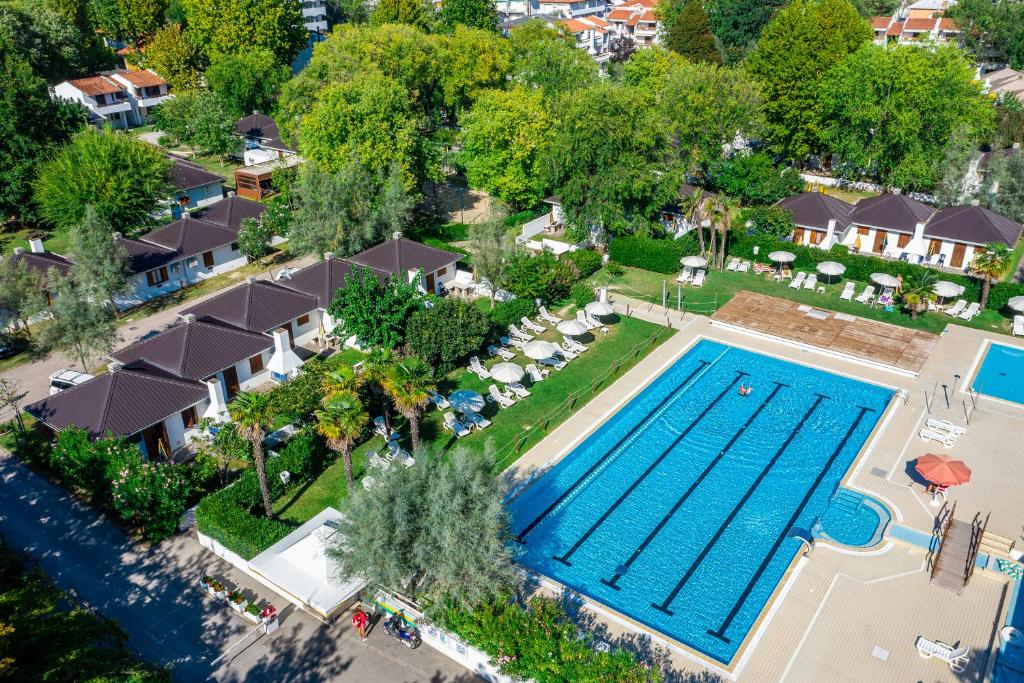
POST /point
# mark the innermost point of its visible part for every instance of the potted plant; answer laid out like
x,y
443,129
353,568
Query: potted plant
x,y
269,618
252,612
205,582
236,600
218,588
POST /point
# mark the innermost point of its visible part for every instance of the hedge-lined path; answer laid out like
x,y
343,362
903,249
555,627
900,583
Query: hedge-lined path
x,y
152,593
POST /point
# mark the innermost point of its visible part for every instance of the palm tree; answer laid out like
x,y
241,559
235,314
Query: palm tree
x,y
725,210
251,413
375,370
693,209
341,422
409,384
989,265
341,379
917,293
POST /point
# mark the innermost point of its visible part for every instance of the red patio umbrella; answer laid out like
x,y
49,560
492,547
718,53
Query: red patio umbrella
x,y
943,470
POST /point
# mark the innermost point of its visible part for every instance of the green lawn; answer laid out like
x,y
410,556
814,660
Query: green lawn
x,y
513,430
849,196
720,286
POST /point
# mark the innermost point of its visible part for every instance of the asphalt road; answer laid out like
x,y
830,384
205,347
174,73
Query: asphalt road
x,y
153,594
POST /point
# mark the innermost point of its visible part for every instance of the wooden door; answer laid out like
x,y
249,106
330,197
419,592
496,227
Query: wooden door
x,y
879,246
903,240
208,259
798,235
158,446
430,283
816,237
231,382
958,255
934,247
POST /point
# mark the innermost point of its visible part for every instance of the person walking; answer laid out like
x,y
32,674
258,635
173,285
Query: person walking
x,y
359,621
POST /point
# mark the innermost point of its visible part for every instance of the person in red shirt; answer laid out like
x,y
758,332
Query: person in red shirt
x,y
359,621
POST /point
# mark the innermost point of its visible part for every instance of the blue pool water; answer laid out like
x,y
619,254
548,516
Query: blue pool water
x,y
853,519
677,511
1001,374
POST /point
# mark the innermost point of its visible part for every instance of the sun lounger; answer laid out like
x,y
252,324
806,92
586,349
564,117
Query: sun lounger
x,y
478,369
452,424
369,482
867,296
519,390
374,460
535,373
734,264
811,282
685,276
567,352
797,281
1018,326
501,399
762,268
957,308
698,279
946,426
582,317
553,362
574,345
848,289
531,326
592,322
405,458
956,657
548,317
971,311
519,334
380,427
475,419
744,267
438,400
498,351
515,343
944,438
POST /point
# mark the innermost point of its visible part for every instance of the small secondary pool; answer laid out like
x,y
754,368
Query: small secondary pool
x,y
679,511
853,519
1001,374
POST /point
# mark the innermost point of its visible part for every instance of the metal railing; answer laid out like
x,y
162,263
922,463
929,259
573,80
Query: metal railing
x,y
940,535
977,533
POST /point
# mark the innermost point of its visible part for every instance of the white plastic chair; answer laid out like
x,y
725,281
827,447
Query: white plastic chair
x,y
972,310
797,281
956,657
848,289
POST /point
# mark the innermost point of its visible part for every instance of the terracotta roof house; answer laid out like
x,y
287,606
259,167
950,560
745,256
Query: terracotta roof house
x,y
406,258
196,186
122,98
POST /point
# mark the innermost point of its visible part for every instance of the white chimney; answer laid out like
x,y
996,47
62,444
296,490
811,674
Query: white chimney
x,y
396,234
249,279
919,232
328,255
19,250
114,365
602,295
117,236
284,364
830,233
188,318
218,410
36,245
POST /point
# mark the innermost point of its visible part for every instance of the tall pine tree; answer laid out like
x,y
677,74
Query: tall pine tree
x,y
689,34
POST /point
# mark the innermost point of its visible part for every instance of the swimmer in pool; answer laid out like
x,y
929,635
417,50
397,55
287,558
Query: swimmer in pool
x,y
745,390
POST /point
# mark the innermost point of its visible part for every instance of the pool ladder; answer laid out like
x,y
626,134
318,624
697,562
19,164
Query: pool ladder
x,y
847,501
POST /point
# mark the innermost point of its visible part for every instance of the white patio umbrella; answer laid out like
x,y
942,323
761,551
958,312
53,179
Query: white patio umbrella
x,y
884,279
599,308
465,400
1016,303
945,289
571,328
507,372
831,268
694,261
538,349
782,256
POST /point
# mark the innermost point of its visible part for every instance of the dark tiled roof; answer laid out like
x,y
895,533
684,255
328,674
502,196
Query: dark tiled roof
x,y
42,262
257,306
1006,154
688,190
815,209
973,224
276,142
122,402
323,279
143,256
401,256
891,212
257,125
230,212
196,350
190,236
185,175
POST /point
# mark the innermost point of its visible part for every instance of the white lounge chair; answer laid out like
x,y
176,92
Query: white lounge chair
x,y
380,427
438,400
1018,326
744,267
574,345
698,279
519,334
553,362
944,438
798,281
531,326
971,311
582,317
369,482
405,458
535,373
867,296
592,322
475,419
501,399
374,460
477,368
515,343
499,351
519,390
548,317
567,353
452,424
848,289
734,264
811,282
951,428
685,276
956,657
957,308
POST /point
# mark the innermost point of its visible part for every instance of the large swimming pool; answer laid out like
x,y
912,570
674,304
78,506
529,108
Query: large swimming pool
x,y
677,512
1001,373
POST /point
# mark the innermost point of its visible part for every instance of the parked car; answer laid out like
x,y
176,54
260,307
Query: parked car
x,y
66,378
8,347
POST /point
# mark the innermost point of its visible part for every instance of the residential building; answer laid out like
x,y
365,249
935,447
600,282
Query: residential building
x,y
261,139
637,20
314,15
42,263
593,34
569,9
196,187
820,219
145,91
1005,83
431,269
921,23
122,99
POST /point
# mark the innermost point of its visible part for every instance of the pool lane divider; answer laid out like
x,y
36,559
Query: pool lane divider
x,y
564,558
667,602
613,582
600,461
781,538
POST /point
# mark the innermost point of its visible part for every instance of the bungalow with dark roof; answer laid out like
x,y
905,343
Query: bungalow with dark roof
x,y
196,187
428,267
261,139
41,263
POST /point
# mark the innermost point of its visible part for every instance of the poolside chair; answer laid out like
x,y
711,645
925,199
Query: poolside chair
x,y
553,362
498,351
574,345
535,373
592,322
567,353
698,279
516,333
763,268
848,289
501,399
797,281
811,282
957,308
944,438
946,426
475,419
438,400
478,369
398,454
380,427
956,657
582,317
531,326
515,343
744,267
369,482
374,460
867,296
972,310
1018,326
734,264
548,317
519,390
452,424
685,276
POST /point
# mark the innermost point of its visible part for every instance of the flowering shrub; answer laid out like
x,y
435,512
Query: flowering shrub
x,y
149,496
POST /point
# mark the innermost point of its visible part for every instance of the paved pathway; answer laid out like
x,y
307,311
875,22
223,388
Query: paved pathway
x,y
153,594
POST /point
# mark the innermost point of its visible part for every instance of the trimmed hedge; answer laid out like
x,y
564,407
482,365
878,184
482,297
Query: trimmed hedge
x,y
234,517
658,255
507,312
587,261
1001,292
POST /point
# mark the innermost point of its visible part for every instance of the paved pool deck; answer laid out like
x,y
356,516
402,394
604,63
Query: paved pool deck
x,y
843,615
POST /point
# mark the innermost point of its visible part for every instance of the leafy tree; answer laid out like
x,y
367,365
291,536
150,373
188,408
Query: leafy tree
x,y
21,291
755,179
539,276
892,111
438,530
738,23
234,26
31,126
769,220
134,20
100,264
990,264
374,312
470,60
621,48
122,177
79,326
150,496
412,12
917,293
504,140
647,69
251,413
610,161
55,48
447,332
246,82
409,384
804,41
479,14
278,216
342,421
952,170
348,12
992,30
492,249
690,34
174,55
200,120
548,59
298,399
225,446
253,238
1006,174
